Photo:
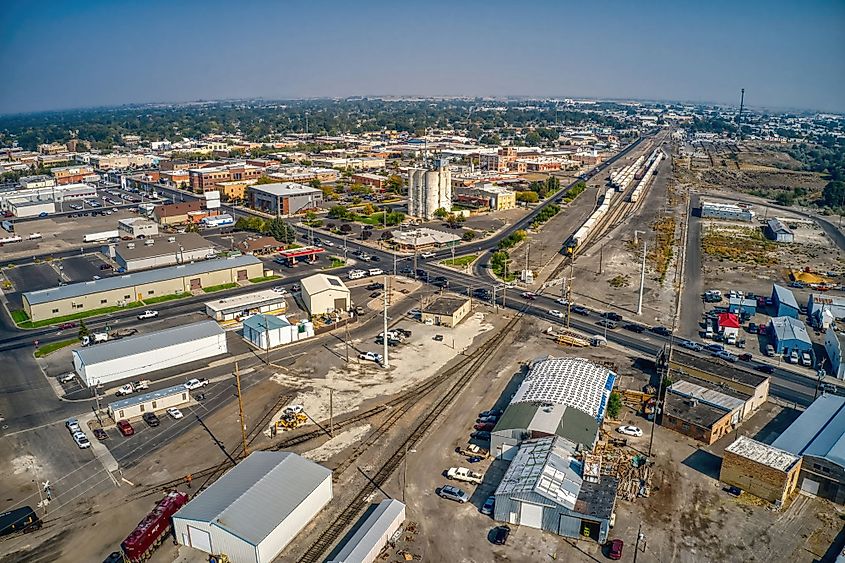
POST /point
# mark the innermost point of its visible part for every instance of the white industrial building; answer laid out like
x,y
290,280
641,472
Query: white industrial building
x,y
370,539
136,405
57,194
137,227
256,509
26,208
271,331
834,345
157,252
231,308
323,294
728,211
429,190
144,353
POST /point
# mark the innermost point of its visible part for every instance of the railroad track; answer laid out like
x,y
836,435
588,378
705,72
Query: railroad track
x,y
351,512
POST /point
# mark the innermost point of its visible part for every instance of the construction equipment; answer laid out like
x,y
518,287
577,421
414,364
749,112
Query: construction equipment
x,y
571,339
292,417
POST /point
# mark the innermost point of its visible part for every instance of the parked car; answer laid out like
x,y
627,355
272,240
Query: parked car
x,y
770,350
556,313
480,435
500,534
484,426
370,356
661,330
72,425
151,419
147,315
614,549
427,255
628,430
67,378
100,434
487,507
106,267
612,316
373,286
491,412
714,348
607,323
453,493
81,440
279,289
633,327
765,368
174,413
689,344
727,356
753,328
125,428
746,357
194,383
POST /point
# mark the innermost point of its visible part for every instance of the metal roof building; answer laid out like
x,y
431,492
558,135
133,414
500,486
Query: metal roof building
x,y
544,488
566,397
366,544
778,231
145,353
818,436
789,334
159,400
256,509
230,308
784,302
323,293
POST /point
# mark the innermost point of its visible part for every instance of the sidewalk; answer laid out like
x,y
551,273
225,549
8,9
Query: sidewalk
x,y
101,452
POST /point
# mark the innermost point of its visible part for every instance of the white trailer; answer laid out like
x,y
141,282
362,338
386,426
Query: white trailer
x,y
101,236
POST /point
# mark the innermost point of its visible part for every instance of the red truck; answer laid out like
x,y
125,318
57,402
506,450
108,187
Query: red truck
x,y
154,528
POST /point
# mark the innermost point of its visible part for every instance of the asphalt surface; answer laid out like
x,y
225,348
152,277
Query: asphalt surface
x,y
692,307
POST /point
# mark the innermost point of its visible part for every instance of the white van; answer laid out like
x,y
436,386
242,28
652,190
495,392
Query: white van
x,y
806,359
375,272
357,274
708,331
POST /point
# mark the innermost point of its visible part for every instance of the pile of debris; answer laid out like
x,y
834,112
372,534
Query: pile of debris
x,y
634,477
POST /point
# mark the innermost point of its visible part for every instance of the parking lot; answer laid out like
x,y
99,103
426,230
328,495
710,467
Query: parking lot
x,y
83,268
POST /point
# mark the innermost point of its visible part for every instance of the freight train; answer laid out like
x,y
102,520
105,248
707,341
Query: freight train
x,y
22,519
153,529
584,231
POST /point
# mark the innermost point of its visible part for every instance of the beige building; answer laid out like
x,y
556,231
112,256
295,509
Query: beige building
x,y
137,406
446,311
762,470
497,198
323,294
118,291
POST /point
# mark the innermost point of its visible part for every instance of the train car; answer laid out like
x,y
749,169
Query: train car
x,y
153,529
22,519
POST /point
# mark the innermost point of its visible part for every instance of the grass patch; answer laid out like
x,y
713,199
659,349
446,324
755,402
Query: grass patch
x,y
745,245
620,281
460,261
661,254
163,298
264,279
335,263
77,316
19,316
42,351
220,287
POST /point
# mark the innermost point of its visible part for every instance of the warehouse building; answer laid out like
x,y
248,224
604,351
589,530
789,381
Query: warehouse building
x,y
145,353
256,509
778,231
136,406
764,471
137,227
422,238
564,397
176,213
544,488
284,198
270,331
492,196
25,208
446,311
784,302
119,291
374,534
742,306
817,304
818,437
788,335
323,294
703,410
160,252
727,211
834,345
733,377
237,306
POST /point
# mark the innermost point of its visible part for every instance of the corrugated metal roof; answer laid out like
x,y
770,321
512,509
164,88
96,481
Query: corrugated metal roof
x,y
247,301
787,328
709,396
140,343
764,454
256,495
819,431
260,323
546,467
151,396
784,295
138,278
778,227
371,533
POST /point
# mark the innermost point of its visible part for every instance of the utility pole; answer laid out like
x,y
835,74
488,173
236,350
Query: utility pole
x,y
739,119
569,289
601,257
241,410
386,363
639,539
331,412
642,280
216,441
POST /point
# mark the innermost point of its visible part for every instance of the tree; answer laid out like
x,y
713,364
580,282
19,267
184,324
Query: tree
x,y
527,197
368,209
386,235
366,234
395,183
281,231
468,236
83,330
360,189
328,192
533,138
346,228
394,218
614,405
339,212
785,198
310,217
454,221
834,193
265,180
490,139
315,183
441,213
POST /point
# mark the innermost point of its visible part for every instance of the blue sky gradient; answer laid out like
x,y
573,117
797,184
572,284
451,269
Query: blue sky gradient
x,y
68,54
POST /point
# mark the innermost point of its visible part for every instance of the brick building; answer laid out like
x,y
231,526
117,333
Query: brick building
x,y
762,470
72,174
206,179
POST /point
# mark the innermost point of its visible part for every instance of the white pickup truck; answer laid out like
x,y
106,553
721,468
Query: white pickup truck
x,y
94,338
464,474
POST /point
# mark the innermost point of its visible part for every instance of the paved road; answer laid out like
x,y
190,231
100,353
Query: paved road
x,y
692,306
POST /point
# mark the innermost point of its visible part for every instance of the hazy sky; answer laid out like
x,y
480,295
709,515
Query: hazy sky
x,y
66,54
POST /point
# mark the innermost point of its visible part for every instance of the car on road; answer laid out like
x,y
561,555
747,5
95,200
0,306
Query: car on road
x,y
295,287
65,326
765,368
194,383
634,327
370,356
67,378
561,301
279,289
174,413
100,434
689,344
151,419
556,313
480,435
612,316
661,330
629,430
727,356
453,493
487,507
484,426
81,440
607,323
440,281
427,255
746,357
714,348
375,272
614,549
106,267
147,315
72,425
500,534
528,295
581,310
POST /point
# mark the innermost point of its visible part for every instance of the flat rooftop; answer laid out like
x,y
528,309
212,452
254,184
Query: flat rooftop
x,y
240,302
764,454
151,396
151,247
700,414
282,189
728,372
445,306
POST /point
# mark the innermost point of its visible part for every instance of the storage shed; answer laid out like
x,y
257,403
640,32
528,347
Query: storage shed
x,y
370,539
230,308
728,324
137,405
323,294
145,353
446,311
256,509
783,300
742,305
778,231
270,330
544,488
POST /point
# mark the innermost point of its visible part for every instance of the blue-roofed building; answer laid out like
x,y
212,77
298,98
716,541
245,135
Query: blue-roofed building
x,y
784,302
275,330
740,305
818,436
788,335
